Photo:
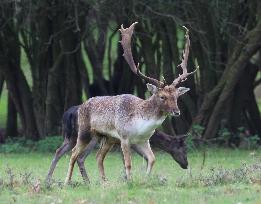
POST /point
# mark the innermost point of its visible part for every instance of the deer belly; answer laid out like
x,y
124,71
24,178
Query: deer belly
x,y
111,133
104,126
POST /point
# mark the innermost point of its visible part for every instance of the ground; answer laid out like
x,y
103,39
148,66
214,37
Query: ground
x,y
228,176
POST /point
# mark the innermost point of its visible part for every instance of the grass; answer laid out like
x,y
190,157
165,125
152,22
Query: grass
x,y
229,176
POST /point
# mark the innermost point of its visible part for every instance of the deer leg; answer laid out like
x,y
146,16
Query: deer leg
x,y
139,152
125,147
104,149
145,150
81,159
76,152
66,146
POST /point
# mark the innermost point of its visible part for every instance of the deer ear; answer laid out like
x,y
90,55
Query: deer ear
x,y
152,88
182,90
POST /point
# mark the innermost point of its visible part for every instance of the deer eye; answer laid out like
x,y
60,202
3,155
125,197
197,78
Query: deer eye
x,y
163,98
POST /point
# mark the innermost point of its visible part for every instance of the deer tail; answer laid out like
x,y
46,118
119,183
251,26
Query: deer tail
x,y
69,122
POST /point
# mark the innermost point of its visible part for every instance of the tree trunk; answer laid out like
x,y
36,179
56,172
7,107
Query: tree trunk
x,y
54,103
148,53
254,115
11,123
1,83
167,56
22,98
42,38
95,50
16,82
242,55
123,78
73,62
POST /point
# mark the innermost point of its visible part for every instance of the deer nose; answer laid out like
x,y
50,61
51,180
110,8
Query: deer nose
x,y
176,113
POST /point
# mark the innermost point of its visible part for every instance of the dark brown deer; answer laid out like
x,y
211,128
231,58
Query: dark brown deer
x,y
175,146
127,118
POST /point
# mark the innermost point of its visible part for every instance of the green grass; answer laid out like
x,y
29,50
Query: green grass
x,y
167,184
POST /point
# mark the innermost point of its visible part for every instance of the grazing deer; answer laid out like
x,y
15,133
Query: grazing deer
x,y
175,146
129,119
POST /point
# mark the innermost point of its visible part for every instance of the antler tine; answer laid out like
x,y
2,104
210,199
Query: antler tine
x,y
126,35
183,64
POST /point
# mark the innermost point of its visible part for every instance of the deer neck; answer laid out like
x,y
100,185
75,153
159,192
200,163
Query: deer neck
x,y
150,109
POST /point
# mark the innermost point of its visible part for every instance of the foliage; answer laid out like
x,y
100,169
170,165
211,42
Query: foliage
x,y
19,145
242,136
225,138
224,134
48,144
198,130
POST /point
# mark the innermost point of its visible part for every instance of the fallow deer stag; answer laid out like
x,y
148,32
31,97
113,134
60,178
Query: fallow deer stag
x,y
130,119
175,146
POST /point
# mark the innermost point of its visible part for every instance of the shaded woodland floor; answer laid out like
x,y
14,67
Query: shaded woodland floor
x,y
228,176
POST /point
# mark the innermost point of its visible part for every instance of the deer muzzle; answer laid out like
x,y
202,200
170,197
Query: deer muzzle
x,y
175,113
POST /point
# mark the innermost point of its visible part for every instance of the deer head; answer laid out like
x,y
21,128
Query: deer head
x,y
178,150
164,96
175,146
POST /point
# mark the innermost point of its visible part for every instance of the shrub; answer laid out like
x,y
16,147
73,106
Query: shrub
x,y
21,145
48,144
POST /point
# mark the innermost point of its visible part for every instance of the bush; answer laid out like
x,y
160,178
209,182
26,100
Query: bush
x,y
241,138
49,144
19,145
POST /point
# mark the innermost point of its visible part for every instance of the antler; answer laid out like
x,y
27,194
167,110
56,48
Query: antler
x,y
126,34
183,64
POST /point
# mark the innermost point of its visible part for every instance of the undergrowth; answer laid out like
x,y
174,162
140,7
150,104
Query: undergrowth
x,y
246,173
21,145
228,176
